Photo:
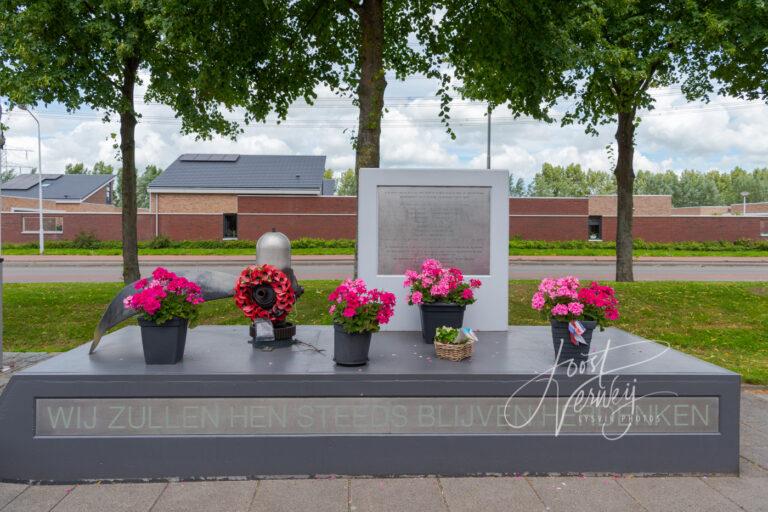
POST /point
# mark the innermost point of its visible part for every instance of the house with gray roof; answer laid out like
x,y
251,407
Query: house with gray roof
x,y
242,174
216,183
62,188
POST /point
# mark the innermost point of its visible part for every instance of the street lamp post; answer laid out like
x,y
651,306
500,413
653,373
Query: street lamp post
x,y
744,202
2,145
41,237
488,149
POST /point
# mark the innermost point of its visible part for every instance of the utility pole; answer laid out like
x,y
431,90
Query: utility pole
x,y
41,236
488,149
2,146
3,158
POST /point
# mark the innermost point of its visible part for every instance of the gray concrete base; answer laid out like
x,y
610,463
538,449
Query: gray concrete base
x,y
219,363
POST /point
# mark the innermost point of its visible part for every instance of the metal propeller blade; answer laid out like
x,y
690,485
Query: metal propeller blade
x,y
214,285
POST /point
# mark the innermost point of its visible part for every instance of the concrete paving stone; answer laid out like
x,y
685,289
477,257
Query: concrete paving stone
x,y
676,494
575,494
40,498
490,494
750,493
113,497
754,410
316,495
748,469
9,491
396,495
225,496
754,445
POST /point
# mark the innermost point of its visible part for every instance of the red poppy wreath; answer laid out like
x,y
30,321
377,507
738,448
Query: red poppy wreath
x,y
264,291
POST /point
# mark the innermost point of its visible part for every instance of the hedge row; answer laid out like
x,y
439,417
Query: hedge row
x,y
86,241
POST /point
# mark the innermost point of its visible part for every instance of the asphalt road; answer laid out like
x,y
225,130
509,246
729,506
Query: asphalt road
x,y
20,272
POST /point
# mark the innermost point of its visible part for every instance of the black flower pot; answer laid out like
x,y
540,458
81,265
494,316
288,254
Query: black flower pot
x,y
438,314
163,344
570,351
350,349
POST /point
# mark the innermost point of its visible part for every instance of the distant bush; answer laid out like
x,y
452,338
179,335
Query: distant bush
x,y
85,240
739,245
159,242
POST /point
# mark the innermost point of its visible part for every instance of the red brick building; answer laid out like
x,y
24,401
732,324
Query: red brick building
x,y
220,203
335,217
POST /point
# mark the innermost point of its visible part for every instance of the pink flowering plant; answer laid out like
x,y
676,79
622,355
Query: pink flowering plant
x,y
164,297
436,283
564,299
359,310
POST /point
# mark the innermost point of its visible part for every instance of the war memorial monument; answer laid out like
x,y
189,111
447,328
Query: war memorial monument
x,y
232,410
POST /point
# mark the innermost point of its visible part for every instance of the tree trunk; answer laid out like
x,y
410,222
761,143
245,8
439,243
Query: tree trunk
x,y
625,182
370,90
128,179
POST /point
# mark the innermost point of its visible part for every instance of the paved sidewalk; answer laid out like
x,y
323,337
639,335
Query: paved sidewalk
x,y
748,492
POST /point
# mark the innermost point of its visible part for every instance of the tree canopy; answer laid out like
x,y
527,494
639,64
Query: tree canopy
x,y
598,62
94,53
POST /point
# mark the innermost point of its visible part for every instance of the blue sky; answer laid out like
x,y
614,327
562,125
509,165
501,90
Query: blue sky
x,y
677,135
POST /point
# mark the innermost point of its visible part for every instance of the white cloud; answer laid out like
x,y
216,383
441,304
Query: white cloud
x,y
676,135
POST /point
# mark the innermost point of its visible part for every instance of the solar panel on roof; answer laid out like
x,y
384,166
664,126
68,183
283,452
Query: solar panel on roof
x,y
208,157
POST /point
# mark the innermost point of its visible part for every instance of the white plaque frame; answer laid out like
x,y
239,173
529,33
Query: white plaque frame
x,y
490,312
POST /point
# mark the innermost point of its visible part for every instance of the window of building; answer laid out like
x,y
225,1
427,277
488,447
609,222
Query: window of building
x,y
764,228
230,226
108,195
595,228
50,225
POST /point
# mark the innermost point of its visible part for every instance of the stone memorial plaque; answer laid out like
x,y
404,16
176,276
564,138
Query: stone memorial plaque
x,y
136,417
449,223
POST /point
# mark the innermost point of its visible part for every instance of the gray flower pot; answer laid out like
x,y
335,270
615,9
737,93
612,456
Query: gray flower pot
x,y
570,351
438,314
350,349
163,344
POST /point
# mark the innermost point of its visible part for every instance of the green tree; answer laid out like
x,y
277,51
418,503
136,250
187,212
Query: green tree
x,y
603,57
656,183
695,189
347,184
328,174
150,173
516,186
354,43
570,181
99,167
95,53
102,167
7,174
78,168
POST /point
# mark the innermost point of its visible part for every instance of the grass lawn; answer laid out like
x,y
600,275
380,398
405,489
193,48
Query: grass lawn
x,y
724,323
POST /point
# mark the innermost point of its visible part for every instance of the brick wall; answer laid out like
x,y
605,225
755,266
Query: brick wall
x,y
695,229
190,226
98,197
296,204
252,226
194,203
105,226
10,202
548,205
751,208
309,222
701,210
643,205
548,227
